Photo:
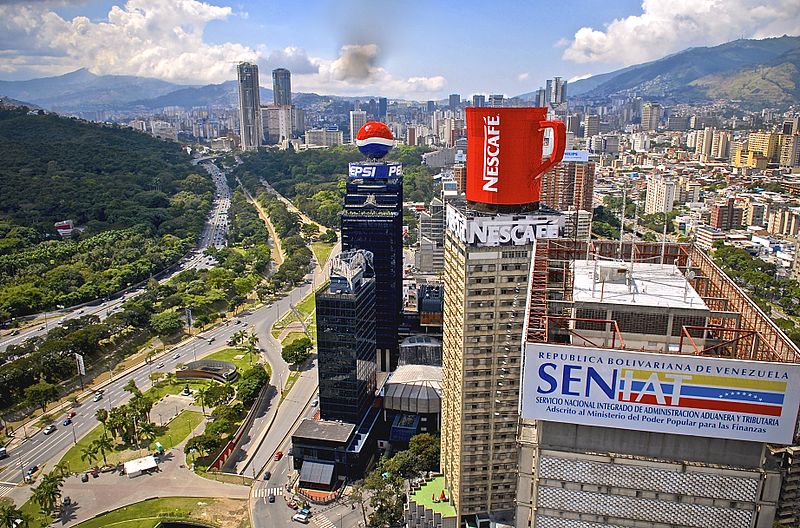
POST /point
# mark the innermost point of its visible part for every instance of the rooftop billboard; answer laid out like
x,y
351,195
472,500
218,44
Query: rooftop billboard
x,y
674,394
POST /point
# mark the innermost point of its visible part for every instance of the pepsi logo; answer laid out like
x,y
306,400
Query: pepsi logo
x,y
374,139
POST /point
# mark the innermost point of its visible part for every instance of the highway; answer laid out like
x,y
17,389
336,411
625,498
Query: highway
x,y
214,234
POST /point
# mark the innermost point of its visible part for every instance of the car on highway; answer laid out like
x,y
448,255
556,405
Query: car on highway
x,y
67,422
267,475
160,366
211,340
49,429
176,356
33,469
299,517
272,497
4,454
278,456
71,414
97,397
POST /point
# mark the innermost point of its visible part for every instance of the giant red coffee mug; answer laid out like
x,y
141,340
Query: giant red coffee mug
x,y
505,158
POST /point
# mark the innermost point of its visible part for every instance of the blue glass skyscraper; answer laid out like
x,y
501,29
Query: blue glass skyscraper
x,y
373,220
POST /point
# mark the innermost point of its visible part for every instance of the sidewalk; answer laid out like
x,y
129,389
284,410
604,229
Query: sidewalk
x,y
110,491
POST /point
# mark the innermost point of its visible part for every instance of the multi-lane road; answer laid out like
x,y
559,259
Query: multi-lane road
x,y
214,234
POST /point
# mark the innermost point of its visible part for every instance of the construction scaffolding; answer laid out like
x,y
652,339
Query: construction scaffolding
x,y
737,327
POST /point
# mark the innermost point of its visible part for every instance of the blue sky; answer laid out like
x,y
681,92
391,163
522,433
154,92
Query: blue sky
x,y
407,48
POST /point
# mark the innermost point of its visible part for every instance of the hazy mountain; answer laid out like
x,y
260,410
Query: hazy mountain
x,y
83,89
753,71
224,94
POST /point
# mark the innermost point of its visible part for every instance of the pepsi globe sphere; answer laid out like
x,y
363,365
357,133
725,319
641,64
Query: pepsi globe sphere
x,y
374,139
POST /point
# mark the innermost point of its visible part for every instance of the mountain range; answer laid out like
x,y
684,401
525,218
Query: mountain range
x,y
754,72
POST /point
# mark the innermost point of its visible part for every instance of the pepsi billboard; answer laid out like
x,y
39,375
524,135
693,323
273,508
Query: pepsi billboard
x,y
373,170
664,393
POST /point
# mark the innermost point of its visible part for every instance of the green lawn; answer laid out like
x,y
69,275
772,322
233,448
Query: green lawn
x,y
149,513
291,337
433,489
178,429
229,354
308,311
322,251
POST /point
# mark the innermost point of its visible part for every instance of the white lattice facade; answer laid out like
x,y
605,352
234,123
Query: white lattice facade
x,y
579,490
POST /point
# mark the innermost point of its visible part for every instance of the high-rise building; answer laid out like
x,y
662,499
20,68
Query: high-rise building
x,y
678,123
559,93
486,283
790,151
652,305
430,106
411,135
460,177
765,144
660,197
324,137
383,107
282,87
346,338
570,184
651,116
478,101
250,123
357,119
496,100
541,97
454,101
372,220
591,126
726,215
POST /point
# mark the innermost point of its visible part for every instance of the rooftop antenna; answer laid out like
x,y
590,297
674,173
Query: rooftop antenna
x,y
664,239
622,220
635,226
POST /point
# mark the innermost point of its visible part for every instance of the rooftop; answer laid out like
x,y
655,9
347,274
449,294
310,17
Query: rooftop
x,y
433,489
641,284
324,430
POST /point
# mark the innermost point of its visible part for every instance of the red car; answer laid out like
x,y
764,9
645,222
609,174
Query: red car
x,y
278,456
71,414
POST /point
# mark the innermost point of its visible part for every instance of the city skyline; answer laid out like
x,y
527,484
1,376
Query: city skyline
x,y
356,48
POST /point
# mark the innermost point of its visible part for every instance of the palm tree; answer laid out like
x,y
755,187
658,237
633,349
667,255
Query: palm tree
x,y
252,343
48,493
11,517
89,453
101,415
62,468
171,378
102,445
238,337
200,397
147,432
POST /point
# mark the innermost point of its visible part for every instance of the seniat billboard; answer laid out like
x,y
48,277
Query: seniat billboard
x,y
687,395
505,154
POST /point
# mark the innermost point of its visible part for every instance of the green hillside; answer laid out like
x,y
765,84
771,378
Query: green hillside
x,y
139,201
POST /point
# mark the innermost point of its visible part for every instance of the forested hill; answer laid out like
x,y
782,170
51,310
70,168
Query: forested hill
x,y
314,179
139,200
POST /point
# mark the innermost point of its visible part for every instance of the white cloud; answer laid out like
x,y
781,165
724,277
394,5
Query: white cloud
x,y
150,38
293,59
164,39
667,27
523,76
